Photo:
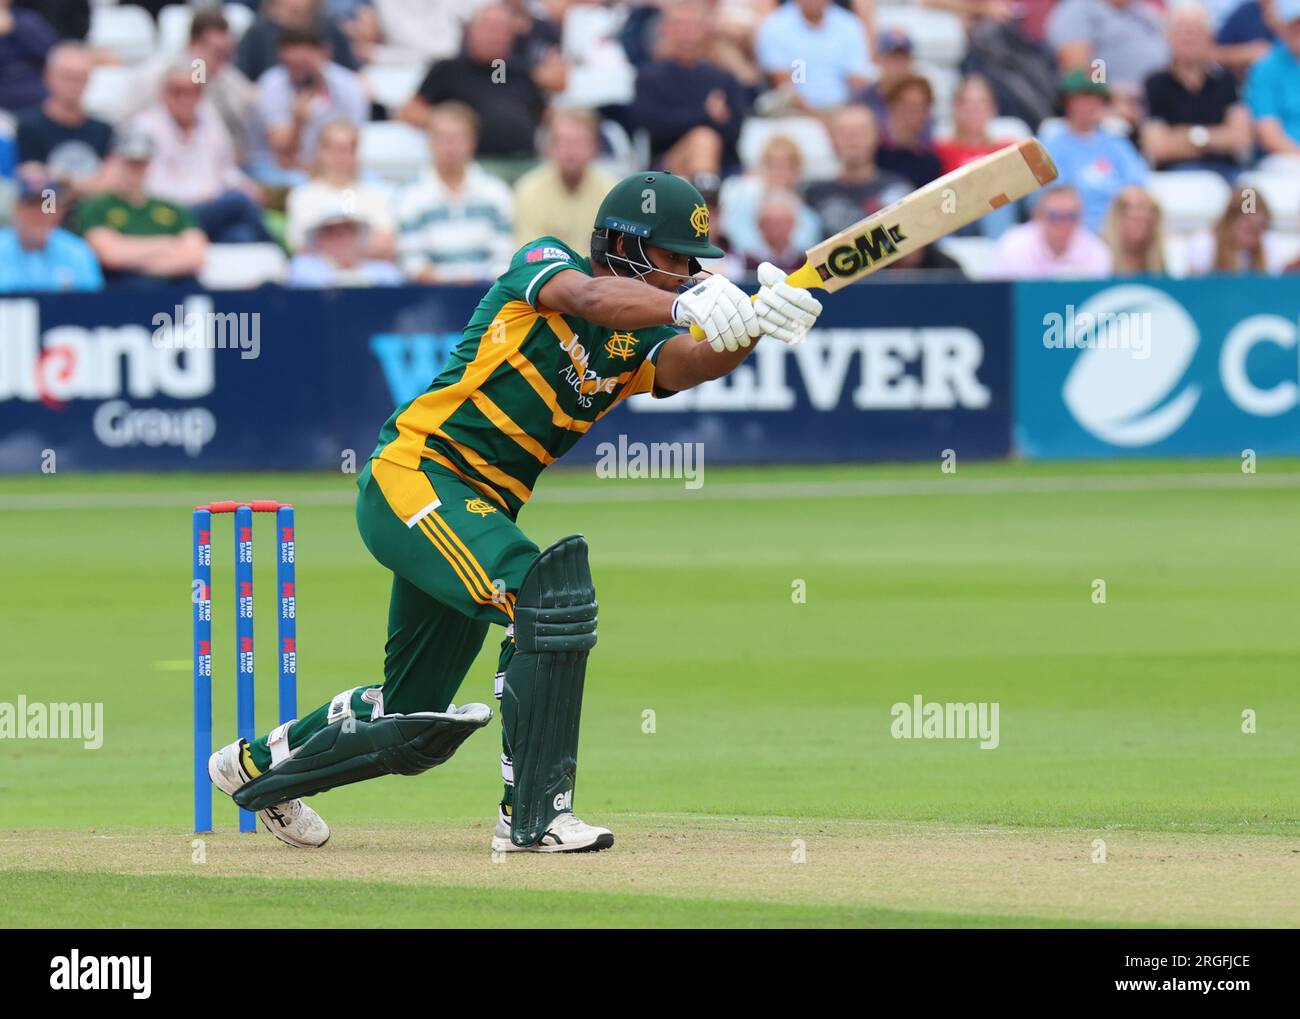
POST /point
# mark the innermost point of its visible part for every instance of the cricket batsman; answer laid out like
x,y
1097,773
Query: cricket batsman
x,y
552,347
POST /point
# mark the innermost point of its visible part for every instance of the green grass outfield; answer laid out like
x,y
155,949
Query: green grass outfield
x,y
1120,722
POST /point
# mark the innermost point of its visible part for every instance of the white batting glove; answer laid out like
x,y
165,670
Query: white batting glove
x,y
723,311
785,312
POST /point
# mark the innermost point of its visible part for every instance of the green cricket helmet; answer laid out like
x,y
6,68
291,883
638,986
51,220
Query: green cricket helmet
x,y
654,207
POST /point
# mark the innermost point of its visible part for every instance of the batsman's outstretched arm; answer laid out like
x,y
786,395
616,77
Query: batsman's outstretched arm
x,y
615,302
716,306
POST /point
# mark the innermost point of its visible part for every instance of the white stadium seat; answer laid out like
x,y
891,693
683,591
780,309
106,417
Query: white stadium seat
x,y
1191,200
1288,244
943,81
239,17
937,36
243,266
1009,128
391,85
973,254
394,151
174,27
1176,254
127,31
107,91
809,134
1281,192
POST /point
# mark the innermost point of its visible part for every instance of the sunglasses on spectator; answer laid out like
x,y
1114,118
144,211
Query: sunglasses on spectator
x,y
1061,217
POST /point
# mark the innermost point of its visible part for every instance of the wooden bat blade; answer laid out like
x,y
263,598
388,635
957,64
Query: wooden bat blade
x,y
935,210
946,204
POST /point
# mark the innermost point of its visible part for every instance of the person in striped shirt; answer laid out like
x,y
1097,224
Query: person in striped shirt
x,y
454,224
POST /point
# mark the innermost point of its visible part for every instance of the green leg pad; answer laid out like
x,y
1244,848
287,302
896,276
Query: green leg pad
x,y
541,703
353,750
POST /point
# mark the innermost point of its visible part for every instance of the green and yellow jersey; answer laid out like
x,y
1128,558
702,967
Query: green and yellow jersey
x,y
524,384
155,218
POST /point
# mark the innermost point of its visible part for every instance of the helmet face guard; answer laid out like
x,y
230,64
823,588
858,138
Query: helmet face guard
x,y
635,263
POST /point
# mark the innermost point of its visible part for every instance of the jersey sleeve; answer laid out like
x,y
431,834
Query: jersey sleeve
x,y
643,378
534,264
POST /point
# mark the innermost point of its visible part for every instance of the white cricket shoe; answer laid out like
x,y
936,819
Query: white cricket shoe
x,y
567,834
293,822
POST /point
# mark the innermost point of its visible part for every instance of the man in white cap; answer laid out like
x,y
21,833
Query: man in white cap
x,y
336,255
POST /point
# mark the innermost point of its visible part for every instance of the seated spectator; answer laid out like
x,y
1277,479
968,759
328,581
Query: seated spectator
x,y
454,224
733,24
1247,34
25,39
295,99
1055,244
58,139
928,257
1273,85
259,49
336,255
70,19
140,241
1194,119
905,148
1127,36
1120,42
973,109
814,53
1242,240
506,100
336,182
691,109
778,217
560,198
1096,162
1134,233
209,51
1004,45
1029,16
861,187
407,31
894,60
780,168
539,41
37,254
194,163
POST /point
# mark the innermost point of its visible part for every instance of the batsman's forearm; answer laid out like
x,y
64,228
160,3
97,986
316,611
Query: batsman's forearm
x,y
619,303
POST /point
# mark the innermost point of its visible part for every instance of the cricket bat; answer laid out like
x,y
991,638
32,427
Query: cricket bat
x,y
946,204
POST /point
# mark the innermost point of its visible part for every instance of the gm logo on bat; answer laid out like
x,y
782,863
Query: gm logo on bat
x,y
849,260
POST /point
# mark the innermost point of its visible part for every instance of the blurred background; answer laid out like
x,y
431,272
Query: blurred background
x,y
351,174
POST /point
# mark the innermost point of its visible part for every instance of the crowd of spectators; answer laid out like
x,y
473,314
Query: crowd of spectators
x,y
252,130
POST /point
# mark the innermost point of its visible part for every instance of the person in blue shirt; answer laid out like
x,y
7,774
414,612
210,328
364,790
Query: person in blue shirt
x,y
36,254
817,49
1095,162
1273,85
